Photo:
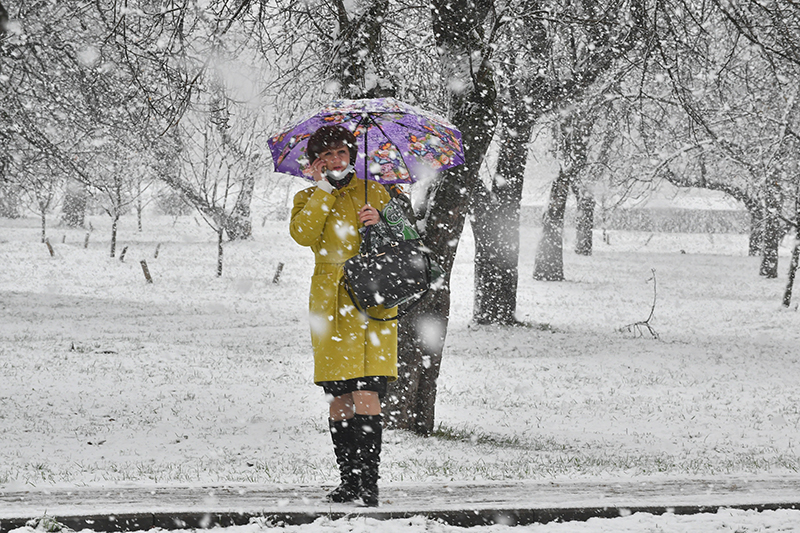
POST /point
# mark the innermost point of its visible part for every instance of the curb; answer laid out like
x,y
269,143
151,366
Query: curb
x,y
466,504
462,518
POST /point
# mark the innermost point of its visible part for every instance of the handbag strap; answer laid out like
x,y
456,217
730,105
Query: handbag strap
x,y
400,314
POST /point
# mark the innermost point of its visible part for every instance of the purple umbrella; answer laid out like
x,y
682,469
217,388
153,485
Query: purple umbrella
x,y
401,142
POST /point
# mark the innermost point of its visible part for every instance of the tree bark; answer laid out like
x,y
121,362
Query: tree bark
x,y
3,20
114,221
787,294
549,263
772,228
43,216
220,238
359,63
756,238
573,135
238,225
458,30
496,228
411,402
585,221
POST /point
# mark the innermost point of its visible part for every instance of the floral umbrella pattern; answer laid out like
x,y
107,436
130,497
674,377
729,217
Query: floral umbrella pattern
x,y
397,142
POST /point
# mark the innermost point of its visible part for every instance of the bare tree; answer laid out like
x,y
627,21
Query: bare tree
x,y
115,172
141,183
573,133
728,119
214,167
36,79
593,175
555,52
463,40
40,180
68,98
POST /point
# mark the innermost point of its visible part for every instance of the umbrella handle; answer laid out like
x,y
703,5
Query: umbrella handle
x,y
365,120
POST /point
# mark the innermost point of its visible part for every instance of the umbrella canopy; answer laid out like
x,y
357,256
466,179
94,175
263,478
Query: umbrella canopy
x,y
397,142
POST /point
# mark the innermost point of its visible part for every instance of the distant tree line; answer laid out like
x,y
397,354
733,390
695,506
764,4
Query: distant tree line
x,y
648,219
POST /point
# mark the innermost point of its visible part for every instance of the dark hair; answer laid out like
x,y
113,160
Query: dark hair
x,y
328,137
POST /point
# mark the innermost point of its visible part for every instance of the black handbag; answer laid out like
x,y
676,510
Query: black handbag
x,y
390,275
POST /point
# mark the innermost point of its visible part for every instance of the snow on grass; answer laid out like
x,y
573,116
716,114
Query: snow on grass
x,y
194,378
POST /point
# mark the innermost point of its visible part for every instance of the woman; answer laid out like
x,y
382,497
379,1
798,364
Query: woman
x,y
354,358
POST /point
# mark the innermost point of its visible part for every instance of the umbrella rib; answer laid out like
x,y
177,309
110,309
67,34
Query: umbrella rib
x,y
399,150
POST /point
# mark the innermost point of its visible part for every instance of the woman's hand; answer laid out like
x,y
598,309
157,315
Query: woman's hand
x,y
369,215
318,169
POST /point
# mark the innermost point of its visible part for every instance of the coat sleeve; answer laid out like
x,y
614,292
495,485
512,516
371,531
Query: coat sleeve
x,y
309,214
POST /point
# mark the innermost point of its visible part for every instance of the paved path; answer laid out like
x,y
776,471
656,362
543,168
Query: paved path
x,y
138,507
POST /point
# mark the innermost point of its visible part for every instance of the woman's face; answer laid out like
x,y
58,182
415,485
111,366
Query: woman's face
x,y
336,158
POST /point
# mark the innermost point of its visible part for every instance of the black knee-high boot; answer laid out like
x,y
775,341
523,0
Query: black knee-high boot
x,y
368,434
344,446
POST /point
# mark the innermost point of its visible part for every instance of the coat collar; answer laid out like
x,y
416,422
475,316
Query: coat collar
x,y
354,183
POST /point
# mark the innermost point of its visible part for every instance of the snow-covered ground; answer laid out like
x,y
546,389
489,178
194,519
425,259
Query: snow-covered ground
x,y
724,521
198,379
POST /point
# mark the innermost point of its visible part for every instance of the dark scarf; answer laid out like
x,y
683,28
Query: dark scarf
x,y
338,184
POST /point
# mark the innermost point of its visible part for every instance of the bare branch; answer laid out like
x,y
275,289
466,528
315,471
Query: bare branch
x,y
637,328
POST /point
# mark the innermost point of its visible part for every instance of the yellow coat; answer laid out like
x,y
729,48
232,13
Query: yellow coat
x,y
346,344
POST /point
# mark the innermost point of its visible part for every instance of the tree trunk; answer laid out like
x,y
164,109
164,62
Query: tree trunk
x,y
139,208
573,136
238,225
495,275
43,217
756,240
531,92
360,53
411,402
457,29
115,220
220,235
772,229
585,222
421,338
496,229
496,224
787,295
549,265
3,20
